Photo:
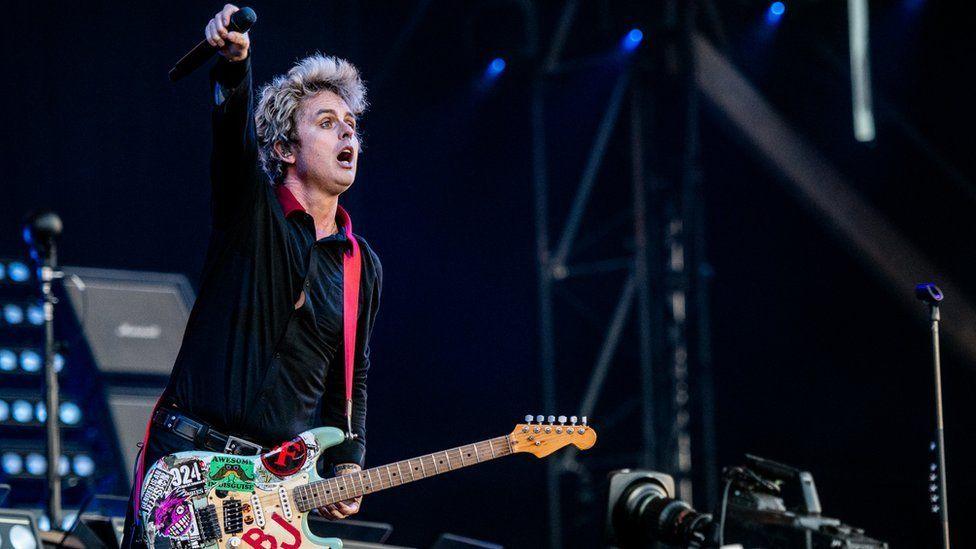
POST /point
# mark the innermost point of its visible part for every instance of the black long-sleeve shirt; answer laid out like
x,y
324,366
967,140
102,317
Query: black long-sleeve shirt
x,y
257,359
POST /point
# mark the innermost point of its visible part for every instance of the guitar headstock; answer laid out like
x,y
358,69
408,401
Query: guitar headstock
x,y
541,438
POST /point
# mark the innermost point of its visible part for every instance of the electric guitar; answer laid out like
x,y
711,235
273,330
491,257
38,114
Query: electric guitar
x,y
221,501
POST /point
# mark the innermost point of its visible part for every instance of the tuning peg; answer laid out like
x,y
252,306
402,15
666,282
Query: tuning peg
x,y
584,421
572,419
528,418
539,419
562,420
551,419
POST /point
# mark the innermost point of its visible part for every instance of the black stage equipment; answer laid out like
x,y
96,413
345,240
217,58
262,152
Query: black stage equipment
x,y
357,530
133,320
932,295
451,541
642,511
240,21
41,232
18,531
768,504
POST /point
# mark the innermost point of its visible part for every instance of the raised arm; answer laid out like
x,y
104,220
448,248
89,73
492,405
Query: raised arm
x,y
235,168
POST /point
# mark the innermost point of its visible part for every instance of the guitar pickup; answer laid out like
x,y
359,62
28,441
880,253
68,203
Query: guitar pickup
x,y
233,516
208,524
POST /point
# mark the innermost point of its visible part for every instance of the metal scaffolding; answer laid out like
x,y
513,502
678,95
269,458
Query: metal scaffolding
x,y
663,294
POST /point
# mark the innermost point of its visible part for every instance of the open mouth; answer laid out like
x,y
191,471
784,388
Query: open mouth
x,y
345,157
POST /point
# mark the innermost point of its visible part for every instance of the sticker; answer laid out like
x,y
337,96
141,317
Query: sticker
x,y
156,486
188,475
287,459
257,538
173,517
234,474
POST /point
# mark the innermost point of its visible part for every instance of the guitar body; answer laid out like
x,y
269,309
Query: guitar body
x,y
219,501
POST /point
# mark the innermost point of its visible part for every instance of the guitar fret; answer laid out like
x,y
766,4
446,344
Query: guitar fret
x,y
325,491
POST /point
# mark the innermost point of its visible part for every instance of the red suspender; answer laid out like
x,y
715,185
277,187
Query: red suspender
x,y
351,270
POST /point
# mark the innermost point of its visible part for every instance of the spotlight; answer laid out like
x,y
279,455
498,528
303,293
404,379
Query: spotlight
x,y
58,362
496,66
633,39
36,464
17,271
775,12
64,466
43,523
30,361
8,360
13,314
4,410
40,411
84,466
22,411
35,315
11,463
70,413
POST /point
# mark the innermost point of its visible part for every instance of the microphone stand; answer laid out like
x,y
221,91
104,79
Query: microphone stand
x,y
930,293
40,233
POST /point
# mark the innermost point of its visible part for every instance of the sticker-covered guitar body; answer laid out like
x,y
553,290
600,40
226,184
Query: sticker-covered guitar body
x,y
210,500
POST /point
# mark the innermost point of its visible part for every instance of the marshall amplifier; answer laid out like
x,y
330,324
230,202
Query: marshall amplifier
x,y
133,321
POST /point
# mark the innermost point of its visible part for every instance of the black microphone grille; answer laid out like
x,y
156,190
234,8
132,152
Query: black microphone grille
x,y
242,19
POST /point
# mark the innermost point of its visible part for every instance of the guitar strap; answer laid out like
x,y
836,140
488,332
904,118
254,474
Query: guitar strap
x,y
352,262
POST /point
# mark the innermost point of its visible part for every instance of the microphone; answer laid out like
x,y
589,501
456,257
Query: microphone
x,y
240,21
929,293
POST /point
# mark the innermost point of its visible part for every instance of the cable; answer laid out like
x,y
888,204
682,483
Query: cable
x,y
725,504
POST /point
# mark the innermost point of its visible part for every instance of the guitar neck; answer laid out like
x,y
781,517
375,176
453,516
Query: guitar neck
x,y
323,492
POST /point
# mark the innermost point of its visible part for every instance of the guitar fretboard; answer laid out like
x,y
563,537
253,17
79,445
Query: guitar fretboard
x,y
323,492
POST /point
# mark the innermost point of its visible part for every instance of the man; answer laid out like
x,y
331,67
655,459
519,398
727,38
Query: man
x,y
263,354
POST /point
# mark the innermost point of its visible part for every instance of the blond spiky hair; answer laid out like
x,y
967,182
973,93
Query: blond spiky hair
x,y
280,99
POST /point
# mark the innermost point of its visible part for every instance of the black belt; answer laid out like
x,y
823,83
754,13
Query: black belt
x,y
203,435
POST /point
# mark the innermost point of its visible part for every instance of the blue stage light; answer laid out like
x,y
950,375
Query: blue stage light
x,y
3,271
43,523
22,411
633,39
36,464
35,315
64,465
13,314
30,361
17,271
775,12
70,413
8,360
40,411
68,521
12,463
496,66
58,362
84,466
4,410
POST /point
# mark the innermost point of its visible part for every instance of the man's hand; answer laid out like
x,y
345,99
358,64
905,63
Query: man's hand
x,y
343,509
232,45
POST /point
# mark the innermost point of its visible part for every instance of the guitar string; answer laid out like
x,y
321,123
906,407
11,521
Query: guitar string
x,y
272,498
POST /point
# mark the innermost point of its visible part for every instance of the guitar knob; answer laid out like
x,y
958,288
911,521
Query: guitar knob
x,y
539,419
562,420
572,419
528,419
551,419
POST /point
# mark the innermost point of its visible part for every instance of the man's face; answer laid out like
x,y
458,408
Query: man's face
x,y
328,147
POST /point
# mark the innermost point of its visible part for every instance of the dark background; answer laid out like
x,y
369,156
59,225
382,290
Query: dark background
x,y
817,362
